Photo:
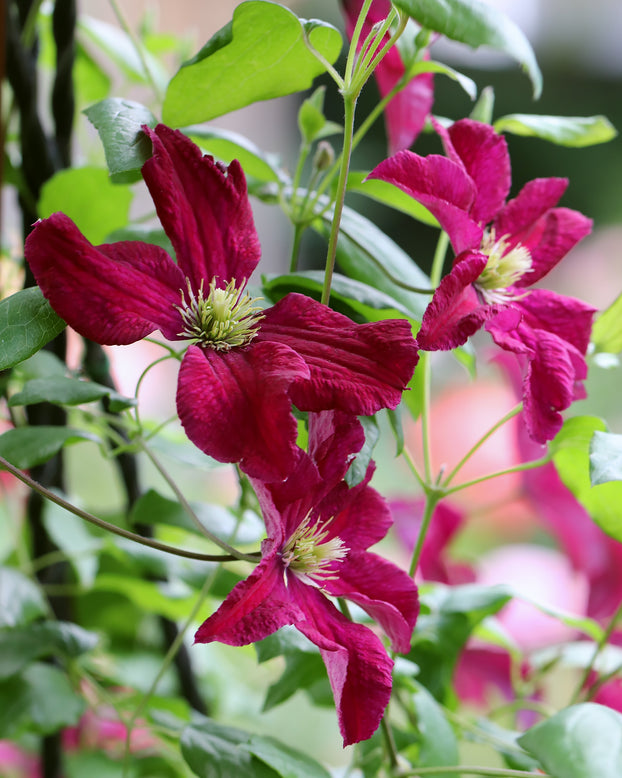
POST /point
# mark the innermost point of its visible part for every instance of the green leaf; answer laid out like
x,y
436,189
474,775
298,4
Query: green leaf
x,y
582,741
65,391
607,329
41,699
448,617
439,745
21,600
227,145
21,645
366,254
477,24
126,146
88,197
483,108
571,456
303,671
430,66
26,447
389,194
171,599
27,323
353,298
73,535
573,131
605,458
259,55
286,761
215,751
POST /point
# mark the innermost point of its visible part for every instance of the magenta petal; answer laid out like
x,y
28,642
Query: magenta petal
x,y
442,186
334,438
454,313
357,368
360,515
387,593
234,406
203,207
566,317
112,294
359,669
484,154
533,201
253,609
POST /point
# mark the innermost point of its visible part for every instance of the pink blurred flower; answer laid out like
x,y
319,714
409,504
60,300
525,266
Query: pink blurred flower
x,y
101,731
17,763
406,112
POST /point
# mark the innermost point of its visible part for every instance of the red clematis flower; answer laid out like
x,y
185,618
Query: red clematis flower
x,y
502,248
318,534
245,366
406,112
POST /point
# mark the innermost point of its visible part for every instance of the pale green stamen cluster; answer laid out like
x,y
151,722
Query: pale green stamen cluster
x,y
503,269
310,556
223,320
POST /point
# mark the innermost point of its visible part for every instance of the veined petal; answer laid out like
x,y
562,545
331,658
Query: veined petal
x,y
359,669
203,207
234,406
533,201
334,438
112,294
442,186
484,154
454,313
359,515
253,609
357,368
568,318
385,592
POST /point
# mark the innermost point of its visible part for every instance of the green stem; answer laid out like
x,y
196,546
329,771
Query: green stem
x,y
510,415
500,772
430,503
298,233
188,508
389,742
597,650
356,34
535,463
58,500
349,106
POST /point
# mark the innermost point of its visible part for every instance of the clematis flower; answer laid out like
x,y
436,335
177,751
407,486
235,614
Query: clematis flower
x,y
318,533
406,112
502,248
244,366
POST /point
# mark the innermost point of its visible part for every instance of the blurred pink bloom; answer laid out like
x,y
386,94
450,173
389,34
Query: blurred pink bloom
x,y
17,763
406,112
100,731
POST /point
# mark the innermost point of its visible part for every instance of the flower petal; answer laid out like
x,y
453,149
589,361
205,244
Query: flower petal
x,y
484,154
359,669
358,368
454,313
387,593
442,186
234,406
567,317
112,294
253,609
203,207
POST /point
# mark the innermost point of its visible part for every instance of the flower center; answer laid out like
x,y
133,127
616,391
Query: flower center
x,y
503,269
310,556
223,320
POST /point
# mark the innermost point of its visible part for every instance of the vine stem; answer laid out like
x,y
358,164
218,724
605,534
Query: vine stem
x,y
535,463
430,504
105,525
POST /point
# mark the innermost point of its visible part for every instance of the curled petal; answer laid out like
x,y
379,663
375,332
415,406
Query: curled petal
x,y
334,438
234,406
112,294
383,590
203,207
359,669
442,186
568,318
357,368
454,313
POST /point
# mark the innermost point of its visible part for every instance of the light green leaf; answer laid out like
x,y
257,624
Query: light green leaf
x,y
173,600
476,23
571,456
21,645
389,194
66,391
439,745
27,323
226,146
582,741
26,447
259,55
430,66
287,761
607,329
41,699
88,197
574,131
605,458
20,598
126,146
